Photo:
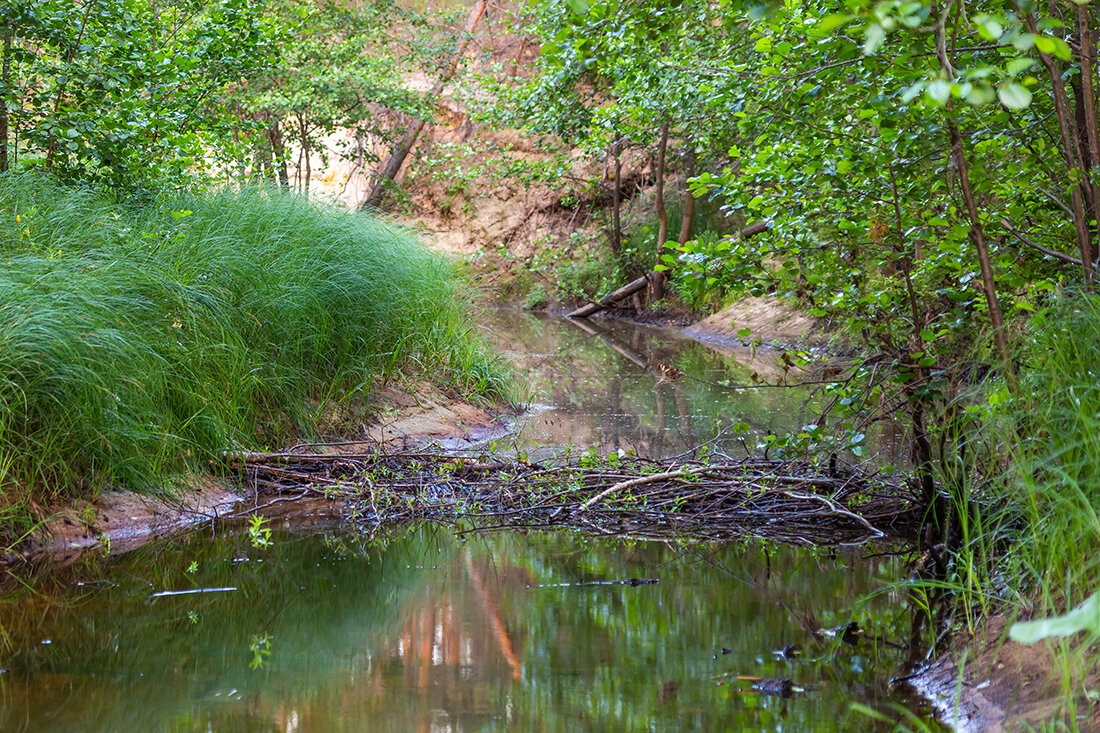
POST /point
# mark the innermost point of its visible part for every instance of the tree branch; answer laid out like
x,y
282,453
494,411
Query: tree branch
x,y
1035,245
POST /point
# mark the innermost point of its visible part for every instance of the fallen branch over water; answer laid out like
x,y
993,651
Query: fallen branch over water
x,y
789,500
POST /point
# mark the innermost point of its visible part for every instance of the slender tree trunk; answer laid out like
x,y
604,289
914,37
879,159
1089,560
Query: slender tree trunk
x,y
977,235
264,153
519,57
5,78
657,284
687,221
617,198
401,151
1088,102
1071,153
304,133
278,150
1081,124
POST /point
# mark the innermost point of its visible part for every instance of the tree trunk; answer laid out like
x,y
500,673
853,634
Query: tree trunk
x,y
617,198
397,158
688,218
1071,153
629,289
264,169
977,235
657,284
1088,102
5,74
1081,124
303,131
278,150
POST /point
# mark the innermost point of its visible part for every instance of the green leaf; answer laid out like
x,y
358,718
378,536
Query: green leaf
x,y
1019,64
1085,617
763,45
1013,95
989,27
1024,42
1045,44
912,92
981,95
831,22
939,92
873,38
579,7
1061,49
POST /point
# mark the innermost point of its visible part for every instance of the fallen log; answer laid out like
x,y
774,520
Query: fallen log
x,y
634,286
616,295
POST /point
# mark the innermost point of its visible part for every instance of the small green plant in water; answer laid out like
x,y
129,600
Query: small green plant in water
x,y
258,534
261,649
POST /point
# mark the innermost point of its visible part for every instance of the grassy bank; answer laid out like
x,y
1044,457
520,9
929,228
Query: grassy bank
x,y
1054,483
139,341
1026,490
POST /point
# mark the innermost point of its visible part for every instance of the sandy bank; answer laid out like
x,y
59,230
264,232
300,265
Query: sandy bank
x,y
118,520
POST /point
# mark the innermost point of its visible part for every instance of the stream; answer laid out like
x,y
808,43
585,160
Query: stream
x,y
324,626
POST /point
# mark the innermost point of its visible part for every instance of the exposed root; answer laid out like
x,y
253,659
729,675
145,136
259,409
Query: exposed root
x,y
792,501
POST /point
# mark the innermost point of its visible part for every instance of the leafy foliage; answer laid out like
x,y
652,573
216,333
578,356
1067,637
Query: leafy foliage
x,y
115,90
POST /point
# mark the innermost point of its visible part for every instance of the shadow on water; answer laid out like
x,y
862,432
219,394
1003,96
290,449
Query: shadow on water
x,y
429,629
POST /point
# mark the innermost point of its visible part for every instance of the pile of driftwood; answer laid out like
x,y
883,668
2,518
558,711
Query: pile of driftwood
x,y
788,500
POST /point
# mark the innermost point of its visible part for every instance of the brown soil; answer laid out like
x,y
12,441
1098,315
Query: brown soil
x,y
767,319
117,521
990,684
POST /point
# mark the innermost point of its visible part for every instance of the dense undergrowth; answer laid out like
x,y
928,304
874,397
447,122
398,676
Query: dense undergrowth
x,y
1052,488
141,340
1022,472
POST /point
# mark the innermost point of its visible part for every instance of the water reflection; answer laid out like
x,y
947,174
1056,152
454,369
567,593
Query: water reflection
x,y
615,385
432,630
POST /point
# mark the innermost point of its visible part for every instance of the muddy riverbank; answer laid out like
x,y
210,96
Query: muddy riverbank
x,y
119,521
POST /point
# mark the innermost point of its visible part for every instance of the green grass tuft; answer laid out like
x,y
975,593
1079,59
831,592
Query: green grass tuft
x,y
141,340
1055,478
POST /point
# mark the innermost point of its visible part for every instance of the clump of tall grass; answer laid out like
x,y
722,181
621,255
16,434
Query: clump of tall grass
x,y
1054,482
138,340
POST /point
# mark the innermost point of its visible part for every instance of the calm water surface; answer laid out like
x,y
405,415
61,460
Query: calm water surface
x,y
599,384
431,628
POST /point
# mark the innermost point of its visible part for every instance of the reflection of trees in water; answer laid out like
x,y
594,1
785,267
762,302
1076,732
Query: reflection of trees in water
x,y
607,390
427,631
